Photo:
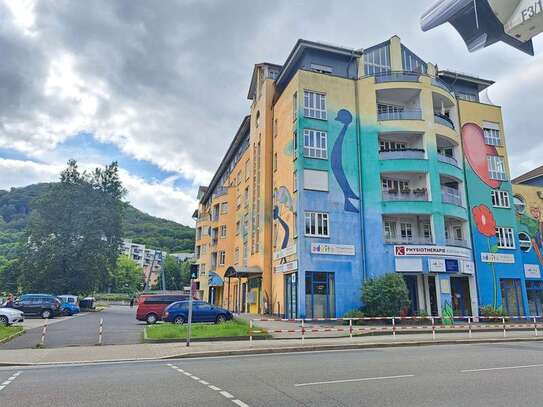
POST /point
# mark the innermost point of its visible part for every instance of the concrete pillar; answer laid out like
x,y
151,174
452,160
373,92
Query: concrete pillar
x,y
396,54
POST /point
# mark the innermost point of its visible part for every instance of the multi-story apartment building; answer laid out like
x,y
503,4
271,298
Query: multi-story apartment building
x,y
353,164
150,260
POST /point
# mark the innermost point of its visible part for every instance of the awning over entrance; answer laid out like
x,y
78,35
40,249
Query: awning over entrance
x,y
214,280
243,272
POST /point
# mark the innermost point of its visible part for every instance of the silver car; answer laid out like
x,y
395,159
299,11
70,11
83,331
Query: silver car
x,y
10,316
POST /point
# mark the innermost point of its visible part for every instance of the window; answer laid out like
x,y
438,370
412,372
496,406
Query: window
x,y
500,199
377,60
294,106
236,255
427,231
257,121
394,185
202,268
492,137
316,180
274,162
411,62
247,169
223,232
315,105
224,207
316,224
321,68
470,97
406,231
315,144
238,201
238,227
506,238
274,130
383,108
519,204
204,249
245,250
525,242
496,167
197,252
238,178
294,183
222,258
246,196
245,224
389,229
386,145
295,142
458,233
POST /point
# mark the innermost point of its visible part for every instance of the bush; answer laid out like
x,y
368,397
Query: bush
x,y
490,311
355,313
385,296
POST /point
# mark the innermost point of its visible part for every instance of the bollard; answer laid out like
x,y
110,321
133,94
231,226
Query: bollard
x,y
535,325
251,332
504,332
351,328
43,333
394,327
433,328
303,332
100,331
469,327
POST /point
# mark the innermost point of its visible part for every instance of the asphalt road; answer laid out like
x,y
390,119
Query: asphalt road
x,y
506,374
120,328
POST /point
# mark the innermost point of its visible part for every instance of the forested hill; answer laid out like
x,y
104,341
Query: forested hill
x,y
142,228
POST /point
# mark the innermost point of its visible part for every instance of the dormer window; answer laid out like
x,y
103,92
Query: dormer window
x,y
321,68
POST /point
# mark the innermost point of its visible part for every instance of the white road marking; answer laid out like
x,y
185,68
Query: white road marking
x,y
10,380
365,379
203,382
240,403
186,373
6,383
227,395
195,378
488,369
214,387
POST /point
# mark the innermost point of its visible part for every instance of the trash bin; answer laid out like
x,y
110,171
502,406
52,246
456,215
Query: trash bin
x,y
87,303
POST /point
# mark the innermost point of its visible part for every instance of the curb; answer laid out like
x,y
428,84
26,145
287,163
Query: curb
x,y
9,338
291,349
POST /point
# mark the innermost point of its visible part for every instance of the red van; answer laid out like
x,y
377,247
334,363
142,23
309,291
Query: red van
x,y
151,306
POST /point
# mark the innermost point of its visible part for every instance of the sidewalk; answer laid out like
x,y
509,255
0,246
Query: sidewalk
x,y
85,354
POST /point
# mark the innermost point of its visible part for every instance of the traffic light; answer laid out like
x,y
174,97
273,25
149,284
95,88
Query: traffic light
x,y
193,271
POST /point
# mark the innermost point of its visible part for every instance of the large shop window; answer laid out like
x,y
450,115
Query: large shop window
x,y
315,105
316,224
320,295
315,144
535,296
512,297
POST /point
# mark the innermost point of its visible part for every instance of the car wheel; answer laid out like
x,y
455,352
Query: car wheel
x,y
180,320
220,319
46,314
66,313
151,319
4,320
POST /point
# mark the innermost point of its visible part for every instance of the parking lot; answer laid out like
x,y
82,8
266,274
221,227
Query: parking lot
x,y
119,323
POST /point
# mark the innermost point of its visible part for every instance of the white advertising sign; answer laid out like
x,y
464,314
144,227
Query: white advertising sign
x,y
287,251
337,249
283,268
468,267
436,265
532,271
416,250
445,286
407,264
497,258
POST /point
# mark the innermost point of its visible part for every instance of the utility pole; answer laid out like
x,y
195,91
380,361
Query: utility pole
x,y
193,276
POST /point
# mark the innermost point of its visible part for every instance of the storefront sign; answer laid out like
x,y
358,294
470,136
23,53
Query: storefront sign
x,y
287,251
436,265
442,251
283,268
497,258
452,266
337,249
532,271
407,264
468,267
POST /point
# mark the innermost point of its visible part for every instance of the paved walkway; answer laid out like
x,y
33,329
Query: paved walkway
x,y
171,350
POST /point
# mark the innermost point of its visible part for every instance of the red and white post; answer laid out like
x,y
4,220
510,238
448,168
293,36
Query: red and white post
x,y
535,326
351,328
44,333
250,332
303,332
394,327
100,331
504,331
433,328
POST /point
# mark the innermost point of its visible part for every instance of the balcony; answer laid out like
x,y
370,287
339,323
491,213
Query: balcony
x,y
397,76
220,191
402,154
418,194
398,104
443,120
413,240
440,84
451,196
407,229
457,242
449,160
404,114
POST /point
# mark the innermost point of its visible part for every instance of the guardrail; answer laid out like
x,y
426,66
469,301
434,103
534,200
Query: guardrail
x,y
394,325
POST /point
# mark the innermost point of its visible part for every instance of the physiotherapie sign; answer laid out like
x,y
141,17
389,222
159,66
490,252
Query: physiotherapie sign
x,y
445,251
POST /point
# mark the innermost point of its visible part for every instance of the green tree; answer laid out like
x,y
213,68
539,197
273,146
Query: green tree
x,y
385,296
127,276
8,275
176,273
74,234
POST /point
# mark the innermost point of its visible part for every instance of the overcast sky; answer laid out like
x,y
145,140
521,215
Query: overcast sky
x,y
161,86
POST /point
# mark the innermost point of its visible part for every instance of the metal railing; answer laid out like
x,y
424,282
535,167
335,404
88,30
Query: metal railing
x,y
457,242
406,195
443,120
406,114
451,195
406,153
446,159
397,76
440,84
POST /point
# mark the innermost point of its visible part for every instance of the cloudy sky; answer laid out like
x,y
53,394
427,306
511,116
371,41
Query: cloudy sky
x,y
161,86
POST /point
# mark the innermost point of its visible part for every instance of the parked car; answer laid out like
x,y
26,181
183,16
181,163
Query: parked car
x,y
178,313
88,303
69,304
10,316
44,305
152,306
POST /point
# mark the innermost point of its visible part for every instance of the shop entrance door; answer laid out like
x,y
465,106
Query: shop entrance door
x,y
320,297
412,286
512,297
461,299
432,293
535,297
291,291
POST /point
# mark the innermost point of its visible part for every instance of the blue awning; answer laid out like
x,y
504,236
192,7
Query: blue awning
x,y
214,280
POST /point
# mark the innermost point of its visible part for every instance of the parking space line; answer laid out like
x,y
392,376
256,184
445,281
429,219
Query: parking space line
x,y
9,380
488,369
365,379
223,393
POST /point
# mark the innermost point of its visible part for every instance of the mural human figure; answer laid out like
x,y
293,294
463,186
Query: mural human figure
x,y
284,225
345,117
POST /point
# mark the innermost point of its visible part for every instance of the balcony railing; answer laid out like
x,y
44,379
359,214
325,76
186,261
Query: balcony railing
x,y
220,192
407,114
419,194
397,76
446,159
443,120
451,195
457,242
440,84
406,153
412,240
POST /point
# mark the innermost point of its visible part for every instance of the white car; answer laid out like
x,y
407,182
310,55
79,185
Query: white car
x,y
10,316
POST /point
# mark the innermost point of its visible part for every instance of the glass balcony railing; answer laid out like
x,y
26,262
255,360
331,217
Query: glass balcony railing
x,y
443,120
397,76
451,195
408,240
419,194
440,84
407,114
457,242
405,153
446,159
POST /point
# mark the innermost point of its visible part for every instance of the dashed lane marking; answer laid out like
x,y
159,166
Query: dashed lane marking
x,y
226,394
9,380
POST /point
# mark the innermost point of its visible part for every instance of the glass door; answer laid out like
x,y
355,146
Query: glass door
x,y
512,297
535,297
291,291
320,298
461,299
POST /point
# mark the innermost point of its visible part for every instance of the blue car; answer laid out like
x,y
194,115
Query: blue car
x,y
68,305
178,313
